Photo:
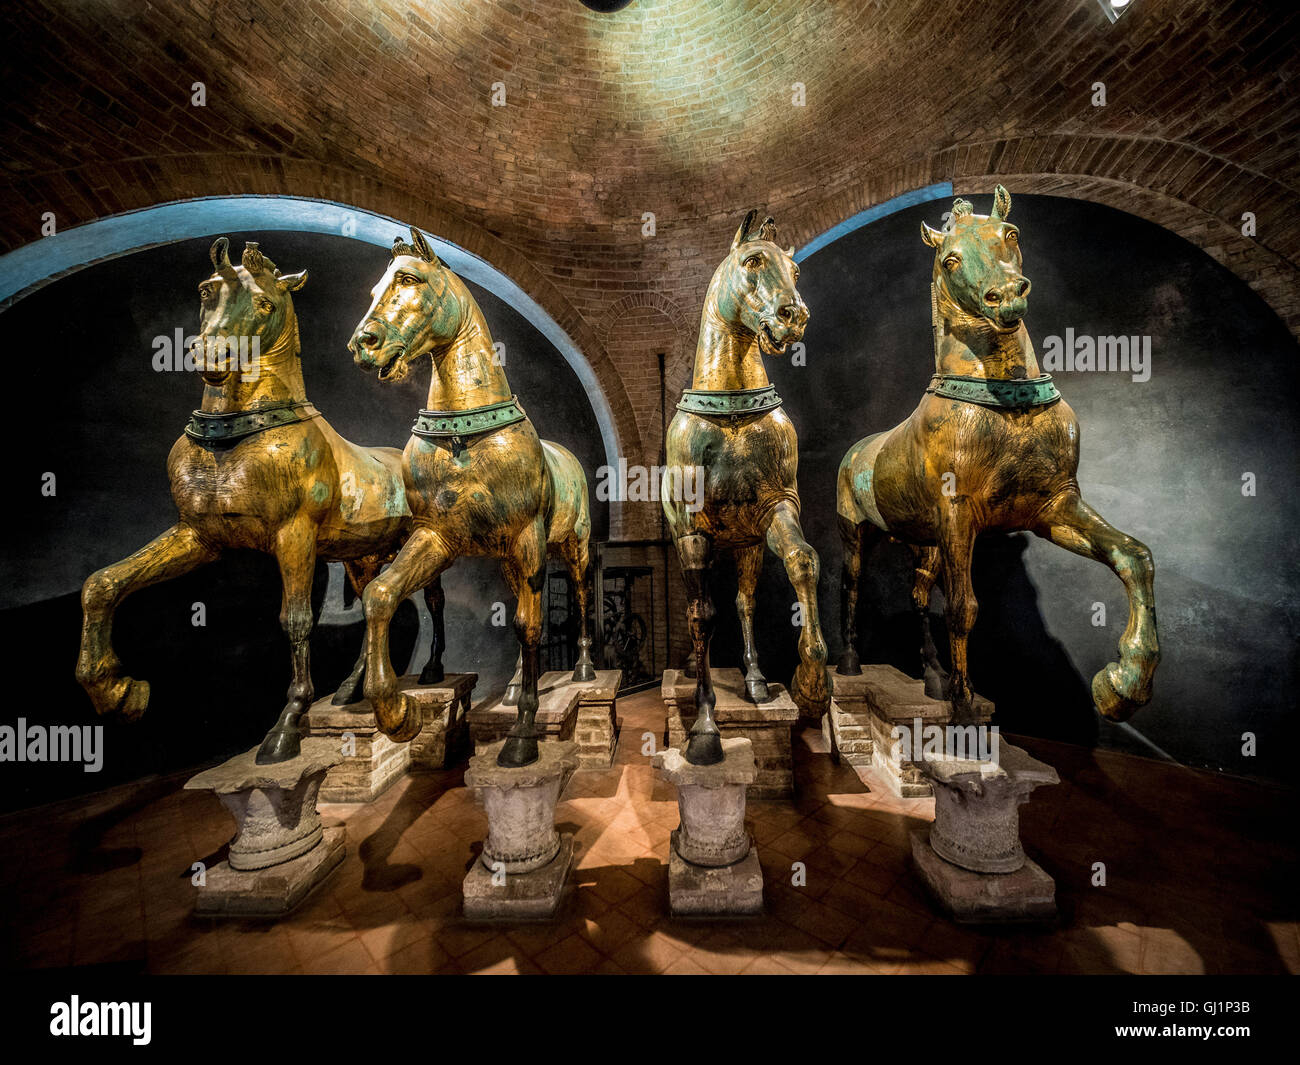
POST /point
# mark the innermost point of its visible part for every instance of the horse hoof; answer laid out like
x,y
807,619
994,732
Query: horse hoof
x,y
279,747
811,695
518,751
398,723
936,684
584,672
849,665
704,748
511,697
757,691
136,700
1110,702
433,674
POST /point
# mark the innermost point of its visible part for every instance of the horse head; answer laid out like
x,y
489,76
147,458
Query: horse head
x,y
754,288
977,266
415,311
249,300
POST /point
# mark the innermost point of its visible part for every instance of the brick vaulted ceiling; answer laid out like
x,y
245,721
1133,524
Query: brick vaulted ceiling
x,y
679,107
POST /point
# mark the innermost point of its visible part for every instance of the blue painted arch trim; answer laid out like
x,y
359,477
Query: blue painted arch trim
x,y
939,191
27,268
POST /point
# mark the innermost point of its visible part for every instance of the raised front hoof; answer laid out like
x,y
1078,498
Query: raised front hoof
x,y
394,718
849,665
584,672
433,673
756,690
704,748
517,752
511,697
1110,701
279,747
125,698
810,687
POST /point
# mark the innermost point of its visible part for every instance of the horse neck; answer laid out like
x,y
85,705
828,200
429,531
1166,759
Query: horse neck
x,y
274,377
466,373
727,356
965,345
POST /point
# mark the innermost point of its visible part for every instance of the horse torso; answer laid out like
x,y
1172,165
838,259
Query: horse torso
x,y
750,465
479,494
1006,464
242,495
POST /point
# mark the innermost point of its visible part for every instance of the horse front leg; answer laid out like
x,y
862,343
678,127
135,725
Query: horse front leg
x,y
422,558
99,670
926,561
295,551
360,573
955,549
525,571
436,600
704,745
749,564
1121,687
811,684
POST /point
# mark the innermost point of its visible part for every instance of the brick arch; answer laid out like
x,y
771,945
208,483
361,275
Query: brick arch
x,y
1190,192
131,185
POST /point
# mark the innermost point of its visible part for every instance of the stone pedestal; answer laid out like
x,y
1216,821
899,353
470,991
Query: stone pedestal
x,y
445,706
280,851
767,726
523,871
971,859
713,867
581,711
866,708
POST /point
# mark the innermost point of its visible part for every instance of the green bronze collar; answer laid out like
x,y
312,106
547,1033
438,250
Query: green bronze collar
x,y
437,424
995,392
731,402
223,428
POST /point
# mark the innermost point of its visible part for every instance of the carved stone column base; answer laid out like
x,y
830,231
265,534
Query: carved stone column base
x,y
280,851
1026,896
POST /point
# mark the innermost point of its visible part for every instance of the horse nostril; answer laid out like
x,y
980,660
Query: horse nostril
x,y
368,339
1022,289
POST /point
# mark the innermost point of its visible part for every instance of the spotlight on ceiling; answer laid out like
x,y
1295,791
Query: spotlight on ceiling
x,y
1112,8
605,7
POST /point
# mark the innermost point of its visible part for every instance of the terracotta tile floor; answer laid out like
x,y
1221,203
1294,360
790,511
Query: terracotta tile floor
x,y
1200,875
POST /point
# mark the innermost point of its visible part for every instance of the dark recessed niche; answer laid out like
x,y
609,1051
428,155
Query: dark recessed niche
x,y
605,7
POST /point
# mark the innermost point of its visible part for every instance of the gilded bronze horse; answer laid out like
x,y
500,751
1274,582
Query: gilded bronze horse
x,y
257,467
479,480
730,425
992,447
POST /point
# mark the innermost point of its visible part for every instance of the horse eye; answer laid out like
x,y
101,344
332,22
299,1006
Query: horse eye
x,y
1012,236
266,306
754,262
952,262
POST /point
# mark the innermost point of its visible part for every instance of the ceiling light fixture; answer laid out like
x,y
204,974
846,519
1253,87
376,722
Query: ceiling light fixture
x,y
1111,8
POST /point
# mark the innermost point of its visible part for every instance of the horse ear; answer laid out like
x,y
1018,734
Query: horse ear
x,y
421,245
931,236
219,253
742,234
1001,205
767,231
293,282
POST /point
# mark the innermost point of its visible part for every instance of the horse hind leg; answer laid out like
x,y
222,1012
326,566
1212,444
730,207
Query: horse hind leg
x,y
525,571
704,745
811,685
928,568
749,564
576,558
436,600
955,550
1120,688
853,550
295,551
99,670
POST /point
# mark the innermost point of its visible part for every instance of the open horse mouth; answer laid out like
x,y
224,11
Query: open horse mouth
x,y
396,369
768,343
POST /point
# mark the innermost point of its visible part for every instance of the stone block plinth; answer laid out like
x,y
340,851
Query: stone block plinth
x,y
872,703
766,725
281,851
713,867
444,708
567,710
971,859
523,870
370,760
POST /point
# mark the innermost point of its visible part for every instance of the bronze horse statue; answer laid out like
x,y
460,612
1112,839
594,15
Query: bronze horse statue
x,y
992,447
730,425
479,480
257,467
